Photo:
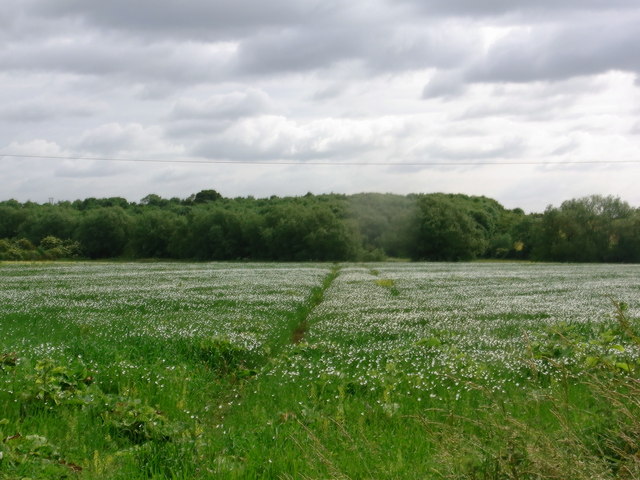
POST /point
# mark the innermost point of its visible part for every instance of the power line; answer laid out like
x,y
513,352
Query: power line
x,y
299,163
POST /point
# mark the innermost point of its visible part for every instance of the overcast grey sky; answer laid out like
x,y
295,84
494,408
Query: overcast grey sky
x,y
456,82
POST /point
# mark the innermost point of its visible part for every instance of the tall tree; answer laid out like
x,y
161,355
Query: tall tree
x,y
103,232
445,230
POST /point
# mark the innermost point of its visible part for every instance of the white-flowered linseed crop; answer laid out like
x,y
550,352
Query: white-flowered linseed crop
x,y
245,304
416,327
422,325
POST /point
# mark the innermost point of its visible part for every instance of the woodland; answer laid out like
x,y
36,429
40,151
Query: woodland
x,y
332,227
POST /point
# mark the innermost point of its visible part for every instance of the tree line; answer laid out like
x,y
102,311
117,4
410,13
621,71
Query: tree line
x,y
332,227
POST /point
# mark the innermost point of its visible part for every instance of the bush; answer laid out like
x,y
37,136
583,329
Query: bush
x,y
50,242
24,244
50,248
12,253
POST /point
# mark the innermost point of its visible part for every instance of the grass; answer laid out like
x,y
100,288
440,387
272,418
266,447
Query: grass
x,y
287,371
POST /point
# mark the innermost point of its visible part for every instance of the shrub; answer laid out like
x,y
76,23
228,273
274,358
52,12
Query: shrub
x,y
50,242
24,244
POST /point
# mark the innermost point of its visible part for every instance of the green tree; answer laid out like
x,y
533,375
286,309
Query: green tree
x,y
205,196
625,239
295,231
154,200
45,220
152,233
103,232
581,230
444,230
11,218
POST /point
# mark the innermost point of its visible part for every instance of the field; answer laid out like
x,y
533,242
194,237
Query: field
x,y
316,371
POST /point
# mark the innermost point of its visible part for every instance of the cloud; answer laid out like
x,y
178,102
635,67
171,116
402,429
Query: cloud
x,y
39,147
369,45
200,41
474,148
272,137
492,8
444,84
190,19
94,55
227,106
533,101
325,93
297,49
130,139
6,19
361,81
194,117
565,147
555,53
41,180
48,109
547,53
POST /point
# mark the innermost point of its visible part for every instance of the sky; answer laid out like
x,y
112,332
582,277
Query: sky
x,y
530,102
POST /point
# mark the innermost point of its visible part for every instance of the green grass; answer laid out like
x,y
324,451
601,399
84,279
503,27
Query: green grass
x,y
287,371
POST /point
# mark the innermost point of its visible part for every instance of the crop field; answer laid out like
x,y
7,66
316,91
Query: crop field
x,y
318,371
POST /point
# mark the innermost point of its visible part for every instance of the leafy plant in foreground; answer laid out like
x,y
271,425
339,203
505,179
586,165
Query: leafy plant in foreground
x,y
23,455
139,423
607,346
54,384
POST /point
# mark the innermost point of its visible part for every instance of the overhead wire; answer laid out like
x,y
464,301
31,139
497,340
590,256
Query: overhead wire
x,y
325,163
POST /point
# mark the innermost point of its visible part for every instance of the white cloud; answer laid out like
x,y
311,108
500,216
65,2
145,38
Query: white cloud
x,y
47,109
227,106
270,137
129,140
444,84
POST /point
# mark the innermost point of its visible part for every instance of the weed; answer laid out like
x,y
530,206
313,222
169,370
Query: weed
x,y
222,356
138,423
23,456
389,284
52,384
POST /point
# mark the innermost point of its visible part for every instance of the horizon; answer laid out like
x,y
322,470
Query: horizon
x,y
55,201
